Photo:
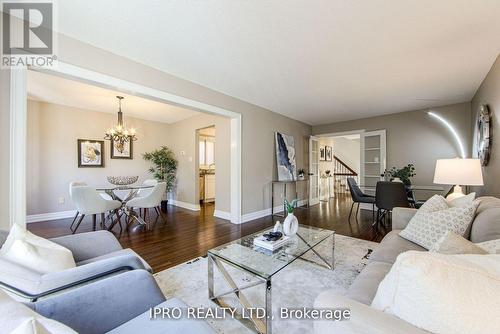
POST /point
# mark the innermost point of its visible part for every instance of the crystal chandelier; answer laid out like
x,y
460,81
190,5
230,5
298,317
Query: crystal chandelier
x,y
119,135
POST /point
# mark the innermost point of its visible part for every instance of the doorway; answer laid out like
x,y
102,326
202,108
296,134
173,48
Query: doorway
x,y
206,167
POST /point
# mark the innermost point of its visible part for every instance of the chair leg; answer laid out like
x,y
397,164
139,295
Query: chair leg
x,y
350,212
78,224
158,211
373,212
357,211
103,218
377,219
94,220
74,220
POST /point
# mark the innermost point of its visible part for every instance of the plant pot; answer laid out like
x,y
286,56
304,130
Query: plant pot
x,y
290,224
164,205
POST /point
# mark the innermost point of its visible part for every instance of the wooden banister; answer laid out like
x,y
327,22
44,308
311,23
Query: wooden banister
x,y
345,169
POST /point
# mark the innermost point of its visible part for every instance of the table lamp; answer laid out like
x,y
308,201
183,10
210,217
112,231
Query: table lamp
x,y
466,172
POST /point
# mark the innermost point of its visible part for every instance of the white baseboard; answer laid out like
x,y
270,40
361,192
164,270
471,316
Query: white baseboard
x,y
185,205
222,214
50,216
266,212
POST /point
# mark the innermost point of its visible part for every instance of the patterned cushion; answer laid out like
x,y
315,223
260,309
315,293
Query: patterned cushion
x,y
436,217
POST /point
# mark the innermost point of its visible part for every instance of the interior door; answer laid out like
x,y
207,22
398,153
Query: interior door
x,y
373,157
313,170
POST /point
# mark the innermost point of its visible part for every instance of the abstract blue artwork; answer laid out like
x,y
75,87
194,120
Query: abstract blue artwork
x,y
285,157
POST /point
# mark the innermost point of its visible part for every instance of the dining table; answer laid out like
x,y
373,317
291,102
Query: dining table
x,y
124,193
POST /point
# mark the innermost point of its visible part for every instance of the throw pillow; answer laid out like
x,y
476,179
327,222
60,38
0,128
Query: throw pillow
x,y
462,201
452,243
452,293
436,217
491,246
33,252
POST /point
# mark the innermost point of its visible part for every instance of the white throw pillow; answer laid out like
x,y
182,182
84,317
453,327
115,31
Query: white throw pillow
x,y
436,217
491,246
452,243
18,318
462,201
443,293
38,254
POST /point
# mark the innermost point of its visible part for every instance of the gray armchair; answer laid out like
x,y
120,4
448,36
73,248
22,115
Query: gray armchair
x,y
97,255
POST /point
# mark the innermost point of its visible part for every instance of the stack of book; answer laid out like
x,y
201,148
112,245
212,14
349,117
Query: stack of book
x,y
261,241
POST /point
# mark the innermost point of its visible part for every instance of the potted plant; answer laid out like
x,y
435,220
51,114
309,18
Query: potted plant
x,y
402,174
164,168
291,223
301,174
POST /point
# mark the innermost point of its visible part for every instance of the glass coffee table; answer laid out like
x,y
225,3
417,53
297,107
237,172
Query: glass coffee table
x,y
263,265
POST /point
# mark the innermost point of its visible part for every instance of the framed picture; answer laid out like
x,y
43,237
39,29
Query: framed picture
x,y
321,153
122,151
90,153
285,157
328,153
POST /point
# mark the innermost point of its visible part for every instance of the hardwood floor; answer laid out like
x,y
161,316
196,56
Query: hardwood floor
x,y
189,234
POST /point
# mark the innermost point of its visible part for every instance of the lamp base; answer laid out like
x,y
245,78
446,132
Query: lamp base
x,y
457,193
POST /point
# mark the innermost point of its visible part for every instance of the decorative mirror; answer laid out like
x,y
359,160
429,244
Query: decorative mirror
x,y
483,134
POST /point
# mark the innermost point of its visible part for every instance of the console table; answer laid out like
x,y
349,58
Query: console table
x,y
284,184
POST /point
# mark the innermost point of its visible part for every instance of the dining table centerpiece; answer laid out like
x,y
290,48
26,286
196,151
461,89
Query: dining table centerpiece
x,y
164,168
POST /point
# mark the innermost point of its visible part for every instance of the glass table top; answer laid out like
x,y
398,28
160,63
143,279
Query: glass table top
x,y
265,263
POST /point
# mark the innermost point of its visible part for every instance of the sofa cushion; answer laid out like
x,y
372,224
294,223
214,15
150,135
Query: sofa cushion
x,y
443,293
39,254
143,324
16,317
391,246
486,225
365,286
126,251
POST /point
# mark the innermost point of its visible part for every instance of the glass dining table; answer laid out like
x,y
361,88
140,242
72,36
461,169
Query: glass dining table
x,y
124,193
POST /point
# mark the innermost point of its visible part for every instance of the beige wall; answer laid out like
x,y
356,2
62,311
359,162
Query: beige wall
x,y
183,139
489,93
4,148
415,137
52,155
258,124
347,150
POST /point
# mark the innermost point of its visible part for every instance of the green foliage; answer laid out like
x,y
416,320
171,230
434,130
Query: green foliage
x,y
404,174
164,165
290,206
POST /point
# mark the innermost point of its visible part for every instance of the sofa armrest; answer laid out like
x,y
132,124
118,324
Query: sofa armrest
x,y
364,319
103,305
88,245
401,217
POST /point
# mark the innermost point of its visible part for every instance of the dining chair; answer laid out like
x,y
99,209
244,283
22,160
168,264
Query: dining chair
x,y
389,195
79,184
359,197
89,202
152,200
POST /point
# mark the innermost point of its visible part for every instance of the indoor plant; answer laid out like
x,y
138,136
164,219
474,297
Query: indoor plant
x,y
404,174
164,168
291,223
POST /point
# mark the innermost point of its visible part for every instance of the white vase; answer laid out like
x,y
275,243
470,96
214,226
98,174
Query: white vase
x,y
290,224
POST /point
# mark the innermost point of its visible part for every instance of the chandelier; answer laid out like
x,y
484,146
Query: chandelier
x,y
119,135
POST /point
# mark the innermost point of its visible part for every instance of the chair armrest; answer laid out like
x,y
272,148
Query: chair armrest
x,y
88,245
364,319
52,283
401,217
103,305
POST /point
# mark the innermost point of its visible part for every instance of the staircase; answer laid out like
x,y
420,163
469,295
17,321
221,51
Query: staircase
x,y
340,174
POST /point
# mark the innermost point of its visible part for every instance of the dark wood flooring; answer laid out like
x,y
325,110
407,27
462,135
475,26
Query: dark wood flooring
x,y
189,234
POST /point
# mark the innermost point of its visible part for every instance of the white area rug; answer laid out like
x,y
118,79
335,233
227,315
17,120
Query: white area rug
x,y
295,286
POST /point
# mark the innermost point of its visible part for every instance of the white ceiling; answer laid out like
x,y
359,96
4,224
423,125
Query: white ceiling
x,y
317,61
53,89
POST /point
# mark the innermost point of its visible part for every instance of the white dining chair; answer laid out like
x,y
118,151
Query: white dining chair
x,y
89,202
152,200
79,184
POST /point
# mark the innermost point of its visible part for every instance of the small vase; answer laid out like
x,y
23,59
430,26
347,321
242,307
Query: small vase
x,y
290,225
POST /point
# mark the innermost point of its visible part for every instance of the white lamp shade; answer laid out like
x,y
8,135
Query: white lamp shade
x,y
465,172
